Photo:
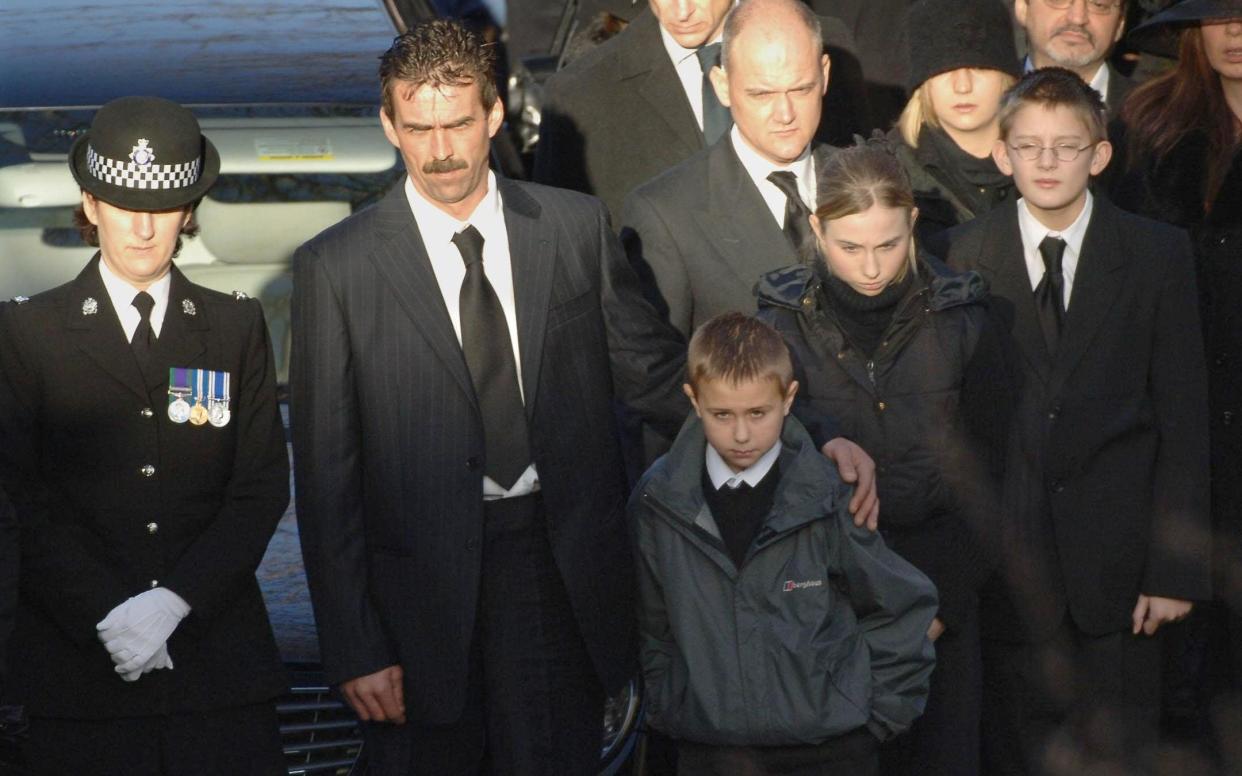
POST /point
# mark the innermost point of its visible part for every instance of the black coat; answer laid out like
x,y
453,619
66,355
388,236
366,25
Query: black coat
x,y
1174,191
80,422
8,577
1106,491
388,437
928,406
617,117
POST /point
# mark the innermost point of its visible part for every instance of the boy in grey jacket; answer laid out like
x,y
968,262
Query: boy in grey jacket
x,y
776,636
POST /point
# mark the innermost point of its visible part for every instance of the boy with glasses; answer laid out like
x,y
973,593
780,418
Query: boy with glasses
x,y
1105,521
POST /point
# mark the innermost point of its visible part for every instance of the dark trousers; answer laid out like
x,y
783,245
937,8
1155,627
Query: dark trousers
x,y
1071,703
244,741
535,706
852,753
945,739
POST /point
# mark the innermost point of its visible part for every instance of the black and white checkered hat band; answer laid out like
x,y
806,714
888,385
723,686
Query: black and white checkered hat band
x,y
135,176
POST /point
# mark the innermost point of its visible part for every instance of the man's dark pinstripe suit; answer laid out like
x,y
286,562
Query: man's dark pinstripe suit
x,y
389,447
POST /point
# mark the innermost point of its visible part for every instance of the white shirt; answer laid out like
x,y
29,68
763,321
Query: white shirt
x,y
122,295
437,229
689,71
759,168
1099,81
720,474
1033,233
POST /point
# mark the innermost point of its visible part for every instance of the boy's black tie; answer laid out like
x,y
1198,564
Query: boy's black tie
x,y
489,356
716,118
144,336
1050,293
797,214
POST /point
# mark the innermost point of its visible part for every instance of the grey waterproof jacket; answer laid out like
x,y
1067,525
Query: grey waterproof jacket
x,y
821,631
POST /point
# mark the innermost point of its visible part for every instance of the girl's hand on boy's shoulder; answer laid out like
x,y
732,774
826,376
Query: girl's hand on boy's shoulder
x,y
856,468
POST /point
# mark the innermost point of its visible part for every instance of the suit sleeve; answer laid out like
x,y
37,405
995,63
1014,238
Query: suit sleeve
x,y
652,252
560,154
1178,559
895,604
227,554
71,583
648,356
328,466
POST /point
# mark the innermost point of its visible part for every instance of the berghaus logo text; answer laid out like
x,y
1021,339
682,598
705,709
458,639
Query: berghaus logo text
x,y
790,585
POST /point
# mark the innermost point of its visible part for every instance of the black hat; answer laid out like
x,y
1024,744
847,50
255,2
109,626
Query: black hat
x,y
1159,34
144,153
948,34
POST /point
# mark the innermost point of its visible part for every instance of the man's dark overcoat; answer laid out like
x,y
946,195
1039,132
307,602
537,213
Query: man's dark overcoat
x,y
114,498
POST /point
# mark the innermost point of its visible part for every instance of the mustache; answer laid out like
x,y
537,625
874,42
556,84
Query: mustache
x,y
443,166
1078,28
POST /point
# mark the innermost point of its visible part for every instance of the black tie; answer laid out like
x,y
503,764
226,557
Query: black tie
x,y
716,117
797,216
1050,293
144,337
489,356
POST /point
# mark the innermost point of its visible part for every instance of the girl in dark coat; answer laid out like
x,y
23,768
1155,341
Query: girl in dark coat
x,y
961,61
897,348
1183,134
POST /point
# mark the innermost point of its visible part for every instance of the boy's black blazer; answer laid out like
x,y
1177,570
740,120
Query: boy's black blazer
x,y
1107,478
79,425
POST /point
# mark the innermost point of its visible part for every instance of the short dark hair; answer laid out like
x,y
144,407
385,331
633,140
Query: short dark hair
x,y
440,52
737,348
90,233
1052,87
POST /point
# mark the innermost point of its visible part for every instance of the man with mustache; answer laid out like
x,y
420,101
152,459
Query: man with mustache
x,y
1078,35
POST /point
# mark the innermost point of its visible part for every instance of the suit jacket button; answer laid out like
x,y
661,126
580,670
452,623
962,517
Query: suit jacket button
x,y
1056,486
154,583
472,463
147,471
147,413
153,527
1227,417
472,544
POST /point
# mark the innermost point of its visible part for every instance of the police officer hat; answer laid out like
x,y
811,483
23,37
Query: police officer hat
x,y
1159,34
144,153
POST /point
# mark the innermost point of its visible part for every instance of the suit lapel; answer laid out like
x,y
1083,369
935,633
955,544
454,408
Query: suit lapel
x,y
401,259
737,220
1096,285
532,254
1003,259
96,330
183,335
659,85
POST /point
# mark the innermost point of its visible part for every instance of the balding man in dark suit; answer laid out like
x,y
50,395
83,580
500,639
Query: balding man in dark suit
x,y
634,107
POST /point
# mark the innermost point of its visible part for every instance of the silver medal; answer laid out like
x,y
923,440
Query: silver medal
x,y
218,408
179,410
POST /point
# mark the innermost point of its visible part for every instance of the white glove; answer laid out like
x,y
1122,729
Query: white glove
x,y
161,659
136,629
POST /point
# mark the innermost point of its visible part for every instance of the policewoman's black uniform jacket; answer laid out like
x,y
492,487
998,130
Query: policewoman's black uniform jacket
x,y
114,498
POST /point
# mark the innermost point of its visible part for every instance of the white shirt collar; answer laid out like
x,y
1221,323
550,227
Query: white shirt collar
x,y
122,295
720,473
437,227
759,168
1033,233
1099,81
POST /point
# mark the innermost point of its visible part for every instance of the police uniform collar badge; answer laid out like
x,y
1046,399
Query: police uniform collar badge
x,y
90,306
199,396
187,307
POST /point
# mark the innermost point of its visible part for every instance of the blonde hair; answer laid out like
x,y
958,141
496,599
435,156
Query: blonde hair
x,y
854,180
920,112
737,348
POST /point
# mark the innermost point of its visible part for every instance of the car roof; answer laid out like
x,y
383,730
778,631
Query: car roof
x,y
82,53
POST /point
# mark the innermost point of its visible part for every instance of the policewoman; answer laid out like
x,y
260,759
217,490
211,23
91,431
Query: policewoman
x,y
142,447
